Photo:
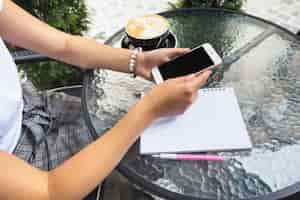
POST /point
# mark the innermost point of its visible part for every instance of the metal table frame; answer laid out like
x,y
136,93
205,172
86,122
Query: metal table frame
x,y
292,191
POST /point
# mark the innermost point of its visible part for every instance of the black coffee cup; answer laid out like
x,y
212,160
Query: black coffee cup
x,y
138,35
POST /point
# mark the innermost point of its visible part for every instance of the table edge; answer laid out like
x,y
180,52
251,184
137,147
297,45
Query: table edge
x,y
155,189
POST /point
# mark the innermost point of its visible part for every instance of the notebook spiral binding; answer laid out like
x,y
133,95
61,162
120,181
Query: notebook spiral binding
x,y
205,90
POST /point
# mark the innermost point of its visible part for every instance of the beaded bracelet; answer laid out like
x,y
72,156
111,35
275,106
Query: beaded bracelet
x,y
133,61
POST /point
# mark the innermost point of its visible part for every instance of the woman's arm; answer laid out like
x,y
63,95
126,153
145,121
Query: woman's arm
x,y
87,169
22,29
79,175
76,177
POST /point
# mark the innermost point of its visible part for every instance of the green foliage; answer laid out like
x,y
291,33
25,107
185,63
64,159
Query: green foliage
x,y
51,74
227,4
67,15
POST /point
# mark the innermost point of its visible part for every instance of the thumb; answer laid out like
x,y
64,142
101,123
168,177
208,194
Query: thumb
x,y
185,78
174,52
200,79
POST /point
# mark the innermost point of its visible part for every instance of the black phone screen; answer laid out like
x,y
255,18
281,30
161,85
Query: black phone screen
x,y
192,62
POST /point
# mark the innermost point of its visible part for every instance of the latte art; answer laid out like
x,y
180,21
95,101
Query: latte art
x,y
147,27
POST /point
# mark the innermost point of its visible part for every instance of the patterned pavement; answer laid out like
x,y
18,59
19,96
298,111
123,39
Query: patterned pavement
x,y
110,15
285,13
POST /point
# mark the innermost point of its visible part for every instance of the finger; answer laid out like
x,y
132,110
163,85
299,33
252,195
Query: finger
x,y
186,78
174,52
189,78
199,80
194,97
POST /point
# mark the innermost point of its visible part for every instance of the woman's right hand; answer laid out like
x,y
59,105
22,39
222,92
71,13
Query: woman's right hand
x,y
174,96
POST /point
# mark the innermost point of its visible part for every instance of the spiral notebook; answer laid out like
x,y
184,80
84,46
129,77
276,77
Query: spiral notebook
x,y
213,123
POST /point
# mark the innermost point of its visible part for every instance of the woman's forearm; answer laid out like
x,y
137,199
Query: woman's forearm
x,y
88,53
42,38
79,175
76,177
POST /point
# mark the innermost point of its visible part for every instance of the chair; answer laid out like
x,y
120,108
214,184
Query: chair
x,y
25,56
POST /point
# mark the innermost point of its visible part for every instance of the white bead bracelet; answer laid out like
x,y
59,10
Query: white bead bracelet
x,y
133,60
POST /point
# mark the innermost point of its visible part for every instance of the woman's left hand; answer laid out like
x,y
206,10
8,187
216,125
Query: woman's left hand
x,y
150,59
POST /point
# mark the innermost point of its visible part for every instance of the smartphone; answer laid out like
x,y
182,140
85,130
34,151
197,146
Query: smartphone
x,y
199,59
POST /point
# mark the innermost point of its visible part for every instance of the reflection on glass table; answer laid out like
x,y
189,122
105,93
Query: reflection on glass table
x,y
262,64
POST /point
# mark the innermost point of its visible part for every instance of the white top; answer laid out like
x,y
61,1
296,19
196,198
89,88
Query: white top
x,y
11,103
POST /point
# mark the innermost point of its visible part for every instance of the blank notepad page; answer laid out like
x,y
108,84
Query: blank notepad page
x,y
213,123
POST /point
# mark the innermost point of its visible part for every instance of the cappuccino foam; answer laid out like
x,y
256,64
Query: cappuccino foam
x,y
147,27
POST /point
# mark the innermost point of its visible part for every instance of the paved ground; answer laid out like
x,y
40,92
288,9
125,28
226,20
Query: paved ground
x,y
283,12
110,15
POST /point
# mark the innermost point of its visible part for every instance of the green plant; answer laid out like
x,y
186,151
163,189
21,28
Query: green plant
x,y
227,4
67,15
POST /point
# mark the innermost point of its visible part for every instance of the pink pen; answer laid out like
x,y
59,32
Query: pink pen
x,y
205,157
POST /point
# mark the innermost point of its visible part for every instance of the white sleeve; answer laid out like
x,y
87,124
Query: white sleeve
x,y
1,5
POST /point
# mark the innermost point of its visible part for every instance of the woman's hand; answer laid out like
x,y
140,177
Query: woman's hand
x,y
148,60
174,96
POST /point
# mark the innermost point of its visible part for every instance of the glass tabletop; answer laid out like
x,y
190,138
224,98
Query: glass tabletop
x,y
262,64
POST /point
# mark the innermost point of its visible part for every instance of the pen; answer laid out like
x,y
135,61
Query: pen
x,y
205,157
